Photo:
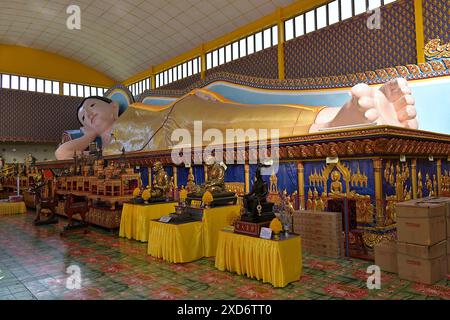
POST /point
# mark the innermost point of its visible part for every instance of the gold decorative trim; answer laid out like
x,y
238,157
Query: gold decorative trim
x,y
435,50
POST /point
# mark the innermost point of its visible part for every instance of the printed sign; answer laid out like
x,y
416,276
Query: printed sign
x,y
266,233
165,219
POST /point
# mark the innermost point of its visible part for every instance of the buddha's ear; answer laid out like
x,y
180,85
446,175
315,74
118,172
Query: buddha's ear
x,y
115,106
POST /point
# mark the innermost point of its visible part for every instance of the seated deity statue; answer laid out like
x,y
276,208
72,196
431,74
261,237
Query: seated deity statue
x,y
215,181
216,176
255,202
161,181
144,128
336,184
258,194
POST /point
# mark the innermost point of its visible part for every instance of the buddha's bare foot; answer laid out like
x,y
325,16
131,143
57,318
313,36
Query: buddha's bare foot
x,y
392,104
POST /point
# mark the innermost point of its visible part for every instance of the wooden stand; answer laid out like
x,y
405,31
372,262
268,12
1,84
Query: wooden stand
x,y
250,228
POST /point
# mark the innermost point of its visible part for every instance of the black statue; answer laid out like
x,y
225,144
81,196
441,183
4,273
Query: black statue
x,y
255,203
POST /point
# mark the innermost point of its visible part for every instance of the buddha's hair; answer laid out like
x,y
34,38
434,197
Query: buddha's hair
x,y
107,100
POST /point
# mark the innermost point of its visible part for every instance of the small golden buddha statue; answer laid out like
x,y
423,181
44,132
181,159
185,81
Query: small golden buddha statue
x,y
336,184
309,202
316,200
419,185
429,185
322,201
190,186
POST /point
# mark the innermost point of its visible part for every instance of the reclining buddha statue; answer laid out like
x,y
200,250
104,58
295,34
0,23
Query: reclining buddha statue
x,y
143,127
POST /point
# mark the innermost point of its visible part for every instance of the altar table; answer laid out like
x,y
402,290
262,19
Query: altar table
x,y
214,220
7,208
176,243
278,262
134,223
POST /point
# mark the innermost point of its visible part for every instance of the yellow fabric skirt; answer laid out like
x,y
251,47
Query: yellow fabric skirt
x,y
134,223
7,208
276,262
175,243
214,220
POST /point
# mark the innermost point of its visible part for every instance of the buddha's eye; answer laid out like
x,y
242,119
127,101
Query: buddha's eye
x,y
83,118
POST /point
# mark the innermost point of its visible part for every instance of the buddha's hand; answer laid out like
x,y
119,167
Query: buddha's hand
x,y
392,104
89,132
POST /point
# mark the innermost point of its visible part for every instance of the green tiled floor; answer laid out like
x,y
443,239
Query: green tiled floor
x,y
33,263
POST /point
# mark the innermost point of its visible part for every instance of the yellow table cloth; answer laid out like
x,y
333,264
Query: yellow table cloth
x,y
214,220
276,262
134,223
7,208
176,243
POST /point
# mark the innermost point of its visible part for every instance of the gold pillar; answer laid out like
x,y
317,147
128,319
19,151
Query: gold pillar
x,y
281,72
377,168
414,178
175,177
205,169
152,78
203,63
420,38
301,183
439,176
247,178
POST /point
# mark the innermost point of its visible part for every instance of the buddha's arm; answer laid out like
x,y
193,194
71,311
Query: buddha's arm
x,y
67,149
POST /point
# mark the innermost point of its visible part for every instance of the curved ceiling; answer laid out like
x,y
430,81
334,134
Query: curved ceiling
x,y
122,38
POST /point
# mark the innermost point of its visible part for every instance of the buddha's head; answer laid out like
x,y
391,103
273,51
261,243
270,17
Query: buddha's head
x,y
336,176
98,114
210,160
157,166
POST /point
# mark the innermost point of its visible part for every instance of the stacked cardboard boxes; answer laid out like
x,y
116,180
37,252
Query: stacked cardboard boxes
x,y
386,256
321,232
445,201
421,246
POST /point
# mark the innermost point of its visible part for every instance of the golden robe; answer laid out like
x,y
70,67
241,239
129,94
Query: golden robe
x,y
142,123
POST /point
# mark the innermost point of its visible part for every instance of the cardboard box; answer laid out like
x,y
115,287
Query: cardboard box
x,y
386,256
336,244
448,227
421,208
423,252
323,222
319,214
440,200
326,232
428,271
421,223
324,252
448,264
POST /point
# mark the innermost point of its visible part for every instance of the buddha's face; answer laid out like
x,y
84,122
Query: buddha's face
x,y
97,115
158,166
210,160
